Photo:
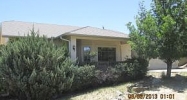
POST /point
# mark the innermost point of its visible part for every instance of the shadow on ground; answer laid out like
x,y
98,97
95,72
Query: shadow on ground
x,y
177,83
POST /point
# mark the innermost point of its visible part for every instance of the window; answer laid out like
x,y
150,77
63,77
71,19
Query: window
x,y
106,54
86,53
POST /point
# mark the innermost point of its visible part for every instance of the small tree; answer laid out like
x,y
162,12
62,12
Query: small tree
x,y
34,68
161,32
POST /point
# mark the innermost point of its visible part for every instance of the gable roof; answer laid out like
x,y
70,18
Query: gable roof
x,y
18,28
92,31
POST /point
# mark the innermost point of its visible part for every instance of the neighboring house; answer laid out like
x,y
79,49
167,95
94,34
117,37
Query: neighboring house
x,y
107,44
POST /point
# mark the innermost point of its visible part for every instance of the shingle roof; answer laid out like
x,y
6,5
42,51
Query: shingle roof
x,y
18,28
92,31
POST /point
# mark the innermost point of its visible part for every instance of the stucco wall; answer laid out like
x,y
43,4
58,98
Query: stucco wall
x,y
125,51
94,44
4,40
155,64
122,51
182,61
60,42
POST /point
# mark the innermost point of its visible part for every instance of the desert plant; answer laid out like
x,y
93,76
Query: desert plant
x,y
34,68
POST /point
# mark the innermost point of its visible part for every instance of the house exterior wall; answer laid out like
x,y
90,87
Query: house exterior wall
x,y
60,42
4,40
93,44
182,61
125,51
122,50
73,48
155,64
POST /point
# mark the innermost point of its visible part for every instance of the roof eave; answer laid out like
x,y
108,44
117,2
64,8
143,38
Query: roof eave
x,y
71,34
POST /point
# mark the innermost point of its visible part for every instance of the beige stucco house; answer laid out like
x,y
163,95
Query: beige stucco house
x,y
108,45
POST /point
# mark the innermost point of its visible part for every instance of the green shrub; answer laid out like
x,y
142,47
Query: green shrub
x,y
135,68
138,68
129,70
2,82
110,76
35,69
83,77
2,86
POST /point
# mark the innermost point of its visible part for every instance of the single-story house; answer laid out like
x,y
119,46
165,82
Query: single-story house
x,y
107,45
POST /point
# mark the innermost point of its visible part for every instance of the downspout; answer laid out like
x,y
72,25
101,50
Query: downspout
x,y
68,43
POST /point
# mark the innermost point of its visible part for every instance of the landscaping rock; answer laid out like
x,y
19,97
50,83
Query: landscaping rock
x,y
139,89
180,91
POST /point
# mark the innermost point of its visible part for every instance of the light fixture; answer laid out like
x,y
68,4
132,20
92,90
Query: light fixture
x,y
74,47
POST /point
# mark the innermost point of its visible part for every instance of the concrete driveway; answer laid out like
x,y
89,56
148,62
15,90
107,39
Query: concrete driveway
x,y
173,70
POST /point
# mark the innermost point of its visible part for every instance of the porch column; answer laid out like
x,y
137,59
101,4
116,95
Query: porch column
x,y
73,48
125,51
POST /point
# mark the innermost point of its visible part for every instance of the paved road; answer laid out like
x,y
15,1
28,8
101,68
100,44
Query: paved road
x,y
173,70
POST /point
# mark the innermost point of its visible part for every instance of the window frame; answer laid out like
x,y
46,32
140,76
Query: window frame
x,y
105,53
87,55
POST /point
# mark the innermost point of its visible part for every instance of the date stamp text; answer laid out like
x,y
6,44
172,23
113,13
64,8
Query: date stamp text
x,y
151,96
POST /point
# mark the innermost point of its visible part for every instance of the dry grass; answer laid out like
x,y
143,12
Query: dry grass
x,y
109,93
104,93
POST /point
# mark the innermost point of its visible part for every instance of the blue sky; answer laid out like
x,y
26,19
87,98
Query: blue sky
x,y
112,14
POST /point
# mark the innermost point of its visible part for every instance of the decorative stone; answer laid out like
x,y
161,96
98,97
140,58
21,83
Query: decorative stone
x,y
139,89
180,91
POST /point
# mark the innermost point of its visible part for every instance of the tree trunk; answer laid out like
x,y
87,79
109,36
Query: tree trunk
x,y
169,66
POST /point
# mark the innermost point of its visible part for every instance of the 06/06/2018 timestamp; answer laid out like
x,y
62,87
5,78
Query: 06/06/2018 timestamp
x,y
151,96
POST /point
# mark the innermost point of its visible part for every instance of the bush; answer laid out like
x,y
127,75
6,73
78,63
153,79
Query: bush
x,y
35,69
83,77
2,86
108,77
135,68
2,82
